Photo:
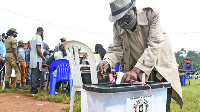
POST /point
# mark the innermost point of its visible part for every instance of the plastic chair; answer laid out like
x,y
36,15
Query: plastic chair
x,y
186,77
63,74
72,52
116,69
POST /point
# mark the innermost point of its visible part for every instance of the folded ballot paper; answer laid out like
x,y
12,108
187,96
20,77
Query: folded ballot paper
x,y
119,77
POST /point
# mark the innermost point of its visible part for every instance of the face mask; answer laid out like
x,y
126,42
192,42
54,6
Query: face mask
x,y
28,44
4,40
20,45
130,25
15,35
187,61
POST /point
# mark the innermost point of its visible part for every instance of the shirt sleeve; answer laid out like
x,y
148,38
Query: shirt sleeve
x,y
14,43
148,59
38,40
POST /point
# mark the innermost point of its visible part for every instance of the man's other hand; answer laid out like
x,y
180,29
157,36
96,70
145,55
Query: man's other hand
x,y
102,68
131,76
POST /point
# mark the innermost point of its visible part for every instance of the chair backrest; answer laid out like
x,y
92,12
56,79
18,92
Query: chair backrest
x,y
63,69
71,48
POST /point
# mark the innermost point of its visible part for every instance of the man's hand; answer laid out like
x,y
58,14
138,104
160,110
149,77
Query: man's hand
x,y
45,60
102,68
131,76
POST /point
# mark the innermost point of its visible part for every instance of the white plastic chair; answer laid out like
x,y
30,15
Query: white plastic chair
x,y
75,71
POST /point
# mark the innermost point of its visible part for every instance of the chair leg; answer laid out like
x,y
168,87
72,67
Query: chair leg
x,y
183,80
84,104
72,99
52,86
71,85
189,81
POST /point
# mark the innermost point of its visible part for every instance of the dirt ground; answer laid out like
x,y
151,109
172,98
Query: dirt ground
x,y
11,102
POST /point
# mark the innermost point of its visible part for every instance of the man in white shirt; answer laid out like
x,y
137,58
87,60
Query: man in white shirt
x,y
36,57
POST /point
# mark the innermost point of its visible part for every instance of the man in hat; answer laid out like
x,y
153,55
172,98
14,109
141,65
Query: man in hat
x,y
62,40
11,59
36,57
145,48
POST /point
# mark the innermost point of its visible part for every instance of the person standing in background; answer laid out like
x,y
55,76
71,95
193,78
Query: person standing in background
x,y
28,73
36,57
99,53
57,48
11,59
45,69
21,53
100,50
2,55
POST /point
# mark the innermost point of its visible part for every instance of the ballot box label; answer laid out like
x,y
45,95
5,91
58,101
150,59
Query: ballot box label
x,y
139,104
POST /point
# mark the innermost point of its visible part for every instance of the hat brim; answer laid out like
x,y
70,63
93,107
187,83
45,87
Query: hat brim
x,y
63,39
118,16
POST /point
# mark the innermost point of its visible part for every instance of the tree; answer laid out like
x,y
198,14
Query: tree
x,y
180,56
194,57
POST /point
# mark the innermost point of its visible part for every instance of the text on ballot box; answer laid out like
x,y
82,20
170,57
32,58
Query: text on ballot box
x,y
127,97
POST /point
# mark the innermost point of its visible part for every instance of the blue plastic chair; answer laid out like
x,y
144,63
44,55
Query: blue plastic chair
x,y
116,69
63,74
186,77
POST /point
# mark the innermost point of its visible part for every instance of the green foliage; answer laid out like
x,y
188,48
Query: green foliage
x,y
194,56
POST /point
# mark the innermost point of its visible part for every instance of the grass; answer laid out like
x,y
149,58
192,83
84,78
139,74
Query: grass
x,y
191,97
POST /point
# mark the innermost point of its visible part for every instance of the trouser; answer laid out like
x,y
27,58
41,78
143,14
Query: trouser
x,y
42,80
181,75
169,91
11,63
23,72
28,76
35,75
59,83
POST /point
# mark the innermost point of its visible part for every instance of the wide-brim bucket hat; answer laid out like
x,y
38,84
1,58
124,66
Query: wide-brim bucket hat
x,y
119,8
14,30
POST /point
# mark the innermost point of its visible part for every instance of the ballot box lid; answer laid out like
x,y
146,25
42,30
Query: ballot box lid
x,y
135,86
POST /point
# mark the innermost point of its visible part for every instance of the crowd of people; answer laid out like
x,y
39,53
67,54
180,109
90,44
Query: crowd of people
x,y
138,40
26,59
